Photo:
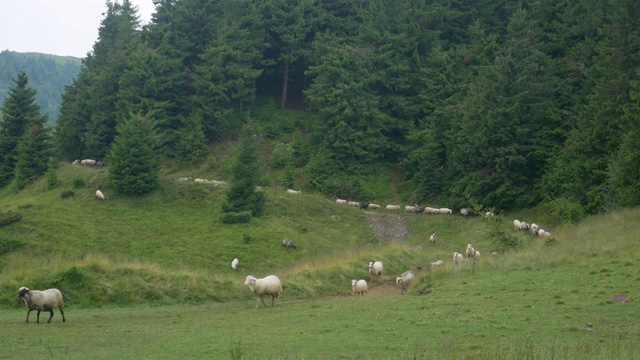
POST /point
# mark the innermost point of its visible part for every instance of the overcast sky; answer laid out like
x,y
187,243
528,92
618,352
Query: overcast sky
x,y
59,27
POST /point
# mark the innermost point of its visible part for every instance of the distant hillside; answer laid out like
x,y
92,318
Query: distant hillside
x,y
48,74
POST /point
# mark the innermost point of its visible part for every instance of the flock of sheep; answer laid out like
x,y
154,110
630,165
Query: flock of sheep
x,y
535,229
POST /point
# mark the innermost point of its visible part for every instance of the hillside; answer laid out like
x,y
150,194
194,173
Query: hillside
x,y
48,74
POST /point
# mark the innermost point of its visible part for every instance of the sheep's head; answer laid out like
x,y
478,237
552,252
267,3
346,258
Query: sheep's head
x,y
251,280
354,282
22,292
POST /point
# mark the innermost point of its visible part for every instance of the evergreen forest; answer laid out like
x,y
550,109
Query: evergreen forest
x,y
505,103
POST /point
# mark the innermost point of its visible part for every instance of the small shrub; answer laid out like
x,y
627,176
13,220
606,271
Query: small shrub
x,y
73,276
281,156
9,245
241,217
52,180
67,194
550,241
9,217
78,183
500,236
567,211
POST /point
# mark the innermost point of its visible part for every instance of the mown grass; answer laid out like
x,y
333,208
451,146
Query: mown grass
x,y
149,277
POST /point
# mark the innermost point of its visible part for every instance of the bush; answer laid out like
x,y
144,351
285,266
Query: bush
x,y
502,239
52,179
567,211
281,156
9,217
67,194
78,183
235,217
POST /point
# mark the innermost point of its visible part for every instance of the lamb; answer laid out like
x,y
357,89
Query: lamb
x,y
392,207
288,244
457,258
45,300
341,201
88,162
100,195
471,251
359,287
375,269
405,279
432,238
291,191
234,264
269,285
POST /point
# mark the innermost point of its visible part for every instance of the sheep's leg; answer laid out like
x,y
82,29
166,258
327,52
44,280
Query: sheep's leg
x,y
50,317
273,300
61,313
28,312
38,318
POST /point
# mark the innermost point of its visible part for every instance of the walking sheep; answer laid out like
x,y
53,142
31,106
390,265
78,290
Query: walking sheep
x,y
234,264
359,287
45,300
269,285
405,279
457,258
472,252
433,238
375,269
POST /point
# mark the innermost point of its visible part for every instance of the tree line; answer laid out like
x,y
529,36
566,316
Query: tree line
x,y
507,103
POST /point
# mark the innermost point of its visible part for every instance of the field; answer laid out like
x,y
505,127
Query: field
x,y
149,278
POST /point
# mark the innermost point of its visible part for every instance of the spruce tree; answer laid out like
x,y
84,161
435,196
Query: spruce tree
x,y
242,195
32,155
134,160
19,112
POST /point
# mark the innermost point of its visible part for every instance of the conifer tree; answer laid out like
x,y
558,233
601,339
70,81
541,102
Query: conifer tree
x,y
191,144
134,160
242,195
32,155
19,113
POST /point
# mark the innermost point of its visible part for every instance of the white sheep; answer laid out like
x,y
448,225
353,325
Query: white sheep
x,y
392,207
88,162
410,208
218,182
100,195
375,269
291,191
184,179
534,228
341,201
359,287
437,263
353,203
524,226
269,285
464,212
76,162
373,206
405,279
516,225
471,251
445,211
433,238
45,300
457,258
234,264
201,181
288,244
430,210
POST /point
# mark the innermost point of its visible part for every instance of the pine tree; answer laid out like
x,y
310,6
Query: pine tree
x,y
191,145
32,155
19,113
242,195
134,160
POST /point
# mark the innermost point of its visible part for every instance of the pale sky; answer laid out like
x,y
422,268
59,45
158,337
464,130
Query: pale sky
x,y
58,27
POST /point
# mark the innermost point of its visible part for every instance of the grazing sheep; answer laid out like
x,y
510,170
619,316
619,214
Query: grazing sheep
x,y
291,191
375,269
410,208
359,287
76,162
363,205
432,238
392,207
373,206
234,264
288,244
184,179
405,279
88,162
353,203
201,181
445,211
218,182
45,300
534,228
464,212
436,263
546,234
457,258
471,251
524,226
516,225
430,210
419,209
100,195
269,285
341,201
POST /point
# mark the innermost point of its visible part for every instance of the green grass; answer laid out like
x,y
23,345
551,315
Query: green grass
x,y
150,277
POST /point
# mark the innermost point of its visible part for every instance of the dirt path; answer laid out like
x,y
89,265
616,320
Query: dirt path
x,y
389,227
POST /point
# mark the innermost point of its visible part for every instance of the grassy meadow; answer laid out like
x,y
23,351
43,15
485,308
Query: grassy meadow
x,y
150,278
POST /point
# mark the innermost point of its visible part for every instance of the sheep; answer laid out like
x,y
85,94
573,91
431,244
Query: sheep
x,y
288,244
353,203
433,238
373,206
419,209
524,226
184,179
375,269
457,258
516,225
201,181
88,162
100,195
436,263
218,182
430,210
410,208
269,285
464,212
234,264
45,300
445,211
392,207
404,280
291,191
363,205
341,201
534,229
471,251
359,287
76,162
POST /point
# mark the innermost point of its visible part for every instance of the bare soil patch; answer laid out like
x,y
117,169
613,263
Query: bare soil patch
x,y
389,227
